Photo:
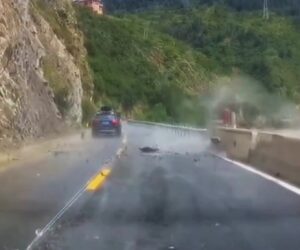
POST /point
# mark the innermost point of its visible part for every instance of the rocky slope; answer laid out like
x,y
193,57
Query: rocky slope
x,y
41,86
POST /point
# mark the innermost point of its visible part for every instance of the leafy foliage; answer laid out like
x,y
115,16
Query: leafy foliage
x,y
268,51
135,65
157,64
290,7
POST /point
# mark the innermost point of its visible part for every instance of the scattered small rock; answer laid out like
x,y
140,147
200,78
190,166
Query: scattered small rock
x,y
149,150
38,232
215,140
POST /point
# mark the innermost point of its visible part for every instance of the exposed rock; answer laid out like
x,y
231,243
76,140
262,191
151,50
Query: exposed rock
x,y
28,106
64,66
149,150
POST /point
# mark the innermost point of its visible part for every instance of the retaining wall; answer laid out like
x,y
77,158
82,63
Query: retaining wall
x,y
276,154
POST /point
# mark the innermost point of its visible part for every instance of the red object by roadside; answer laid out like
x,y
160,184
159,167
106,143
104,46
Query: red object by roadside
x,y
226,117
115,122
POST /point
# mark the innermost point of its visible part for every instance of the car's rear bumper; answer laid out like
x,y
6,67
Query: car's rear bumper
x,y
99,130
106,131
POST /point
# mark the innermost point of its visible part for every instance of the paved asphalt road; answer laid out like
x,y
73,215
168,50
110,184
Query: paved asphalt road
x,y
32,193
179,198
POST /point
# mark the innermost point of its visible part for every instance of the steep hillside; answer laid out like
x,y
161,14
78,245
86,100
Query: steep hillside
x,y
289,7
268,51
67,45
146,73
165,64
41,80
58,64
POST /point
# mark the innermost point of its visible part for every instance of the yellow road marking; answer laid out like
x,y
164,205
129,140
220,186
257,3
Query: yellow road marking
x,y
97,182
106,172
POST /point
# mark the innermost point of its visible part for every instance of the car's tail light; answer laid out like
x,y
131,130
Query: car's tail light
x,y
115,122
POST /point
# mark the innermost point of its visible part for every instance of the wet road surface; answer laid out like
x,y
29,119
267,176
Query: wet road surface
x,y
32,193
179,198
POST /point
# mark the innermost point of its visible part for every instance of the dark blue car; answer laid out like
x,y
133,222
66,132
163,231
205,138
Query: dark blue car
x,y
106,122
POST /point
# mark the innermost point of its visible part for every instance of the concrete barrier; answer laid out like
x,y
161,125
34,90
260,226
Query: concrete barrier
x,y
236,142
275,154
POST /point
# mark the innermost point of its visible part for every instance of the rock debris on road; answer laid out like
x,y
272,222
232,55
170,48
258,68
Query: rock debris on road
x,y
175,202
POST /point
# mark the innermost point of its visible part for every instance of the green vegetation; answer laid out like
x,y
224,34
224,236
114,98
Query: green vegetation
x,y
160,65
144,72
287,7
163,65
268,51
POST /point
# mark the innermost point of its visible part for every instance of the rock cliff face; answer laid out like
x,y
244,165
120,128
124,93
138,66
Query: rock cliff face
x,y
40,78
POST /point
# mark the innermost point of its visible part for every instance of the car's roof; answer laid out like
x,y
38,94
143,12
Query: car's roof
x,y
106,109
108,115
105,113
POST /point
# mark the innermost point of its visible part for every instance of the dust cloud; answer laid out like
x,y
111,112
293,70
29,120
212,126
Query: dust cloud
x,y
254,106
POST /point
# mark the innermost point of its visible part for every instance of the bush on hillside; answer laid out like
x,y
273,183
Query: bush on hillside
x,y
133,65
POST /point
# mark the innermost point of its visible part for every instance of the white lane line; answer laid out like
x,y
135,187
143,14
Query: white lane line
x,y
119,152
63,210
281,183
72,200
122,149
124,140
57,217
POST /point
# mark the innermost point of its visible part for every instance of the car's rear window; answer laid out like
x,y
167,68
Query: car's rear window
x,y
107,117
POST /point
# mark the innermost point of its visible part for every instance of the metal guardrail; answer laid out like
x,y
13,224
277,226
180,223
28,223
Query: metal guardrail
x,y
166,125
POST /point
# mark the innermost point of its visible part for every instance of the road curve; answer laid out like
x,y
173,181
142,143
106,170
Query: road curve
x,y
181,197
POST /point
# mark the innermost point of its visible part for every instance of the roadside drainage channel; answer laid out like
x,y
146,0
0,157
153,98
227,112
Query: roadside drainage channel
x,y
79,200
38,149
